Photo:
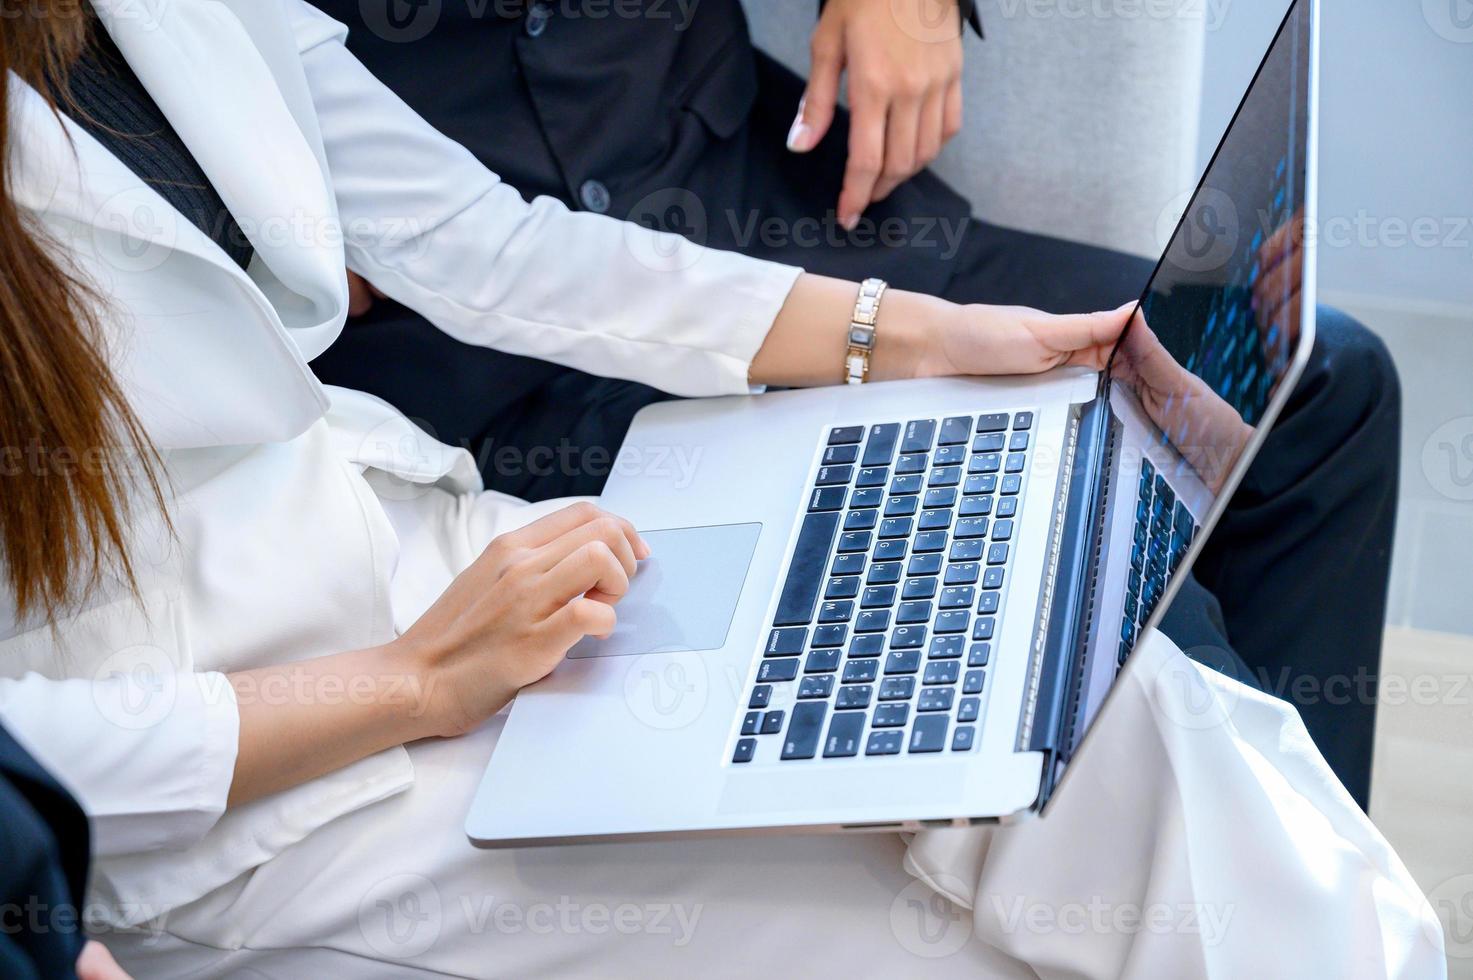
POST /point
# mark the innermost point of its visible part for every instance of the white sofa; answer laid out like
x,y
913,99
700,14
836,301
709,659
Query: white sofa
x,y
1081,115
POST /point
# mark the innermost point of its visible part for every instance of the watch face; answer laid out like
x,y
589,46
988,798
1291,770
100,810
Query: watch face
x,y
860,336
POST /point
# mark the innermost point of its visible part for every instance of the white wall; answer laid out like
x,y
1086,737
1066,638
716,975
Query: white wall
x,y
1396,140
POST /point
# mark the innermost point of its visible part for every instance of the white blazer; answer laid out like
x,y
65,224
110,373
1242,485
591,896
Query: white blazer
x,y
284,550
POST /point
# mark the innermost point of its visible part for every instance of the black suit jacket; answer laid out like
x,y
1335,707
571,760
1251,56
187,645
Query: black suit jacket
x,y
43,869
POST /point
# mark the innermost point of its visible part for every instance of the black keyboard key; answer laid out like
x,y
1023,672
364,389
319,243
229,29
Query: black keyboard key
x,y
1001,530
860,671
992,579
1011,484
786,642
867,646
861,520
878,597
827,498
943,672
908,638
983,629
929,734
833,476
990,443
773,671
995,422
829,636
853,541
980,483
935,699
976,507
987,605
934,520
805,571
883,743
955,430
949,456
997,554
836,612
972,683
772,722
902,662
969,709
822,662
900,506
962,738
847,564
978,654
957,596
745,749
853,696
804,729
945,476
897,688
925,565
945,647
1023,420
892,715
967,550
906,484
883,573
873,620
846,434
914,612
912,463
919,588
1018,442
845,732
1014,463
872,476
761,696
846,587
919,436
985,463
838,455
930,541
952,621
881,446
750,722
963,573
817,686
1007,506
971,527
891,550
940,497
866,497
895,527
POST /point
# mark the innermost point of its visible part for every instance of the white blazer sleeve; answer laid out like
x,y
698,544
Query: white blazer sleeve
x,y
150,757
433,228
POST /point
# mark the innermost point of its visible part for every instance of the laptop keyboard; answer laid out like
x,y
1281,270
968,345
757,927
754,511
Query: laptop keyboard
x,y
884,626
1164,529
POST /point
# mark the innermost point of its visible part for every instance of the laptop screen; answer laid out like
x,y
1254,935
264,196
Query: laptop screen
x,y
1220,320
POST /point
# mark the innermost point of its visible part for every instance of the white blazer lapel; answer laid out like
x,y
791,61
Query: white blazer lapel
x,y
203,68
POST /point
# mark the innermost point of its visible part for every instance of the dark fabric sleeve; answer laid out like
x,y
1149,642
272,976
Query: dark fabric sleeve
x,y
968,9
44,841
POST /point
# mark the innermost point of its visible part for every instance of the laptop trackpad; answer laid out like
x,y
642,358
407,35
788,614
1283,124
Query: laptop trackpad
x,y
685,594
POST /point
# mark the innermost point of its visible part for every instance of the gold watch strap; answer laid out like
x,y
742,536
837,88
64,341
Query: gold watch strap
x,y
862,331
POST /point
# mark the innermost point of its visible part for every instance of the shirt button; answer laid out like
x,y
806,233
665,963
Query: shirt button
x,y
537,18
594,195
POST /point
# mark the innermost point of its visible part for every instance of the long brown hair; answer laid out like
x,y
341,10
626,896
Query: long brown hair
x,y
71,450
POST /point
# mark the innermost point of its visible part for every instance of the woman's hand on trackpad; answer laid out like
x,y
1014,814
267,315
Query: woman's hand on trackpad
x,y
512,616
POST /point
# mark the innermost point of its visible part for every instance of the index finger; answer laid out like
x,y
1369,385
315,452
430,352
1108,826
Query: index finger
x,y
866,157
545,530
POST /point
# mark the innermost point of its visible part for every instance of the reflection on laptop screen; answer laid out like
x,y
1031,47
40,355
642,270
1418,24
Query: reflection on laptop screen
x,y
1219,322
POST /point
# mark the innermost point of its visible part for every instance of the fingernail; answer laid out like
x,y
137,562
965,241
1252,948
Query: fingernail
x,y
643,551
798,133
849,221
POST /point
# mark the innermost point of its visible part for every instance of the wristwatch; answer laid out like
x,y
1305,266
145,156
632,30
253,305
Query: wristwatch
x,y
862,331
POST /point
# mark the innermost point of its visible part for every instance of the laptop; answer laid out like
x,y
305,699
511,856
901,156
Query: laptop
x,y
899,605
